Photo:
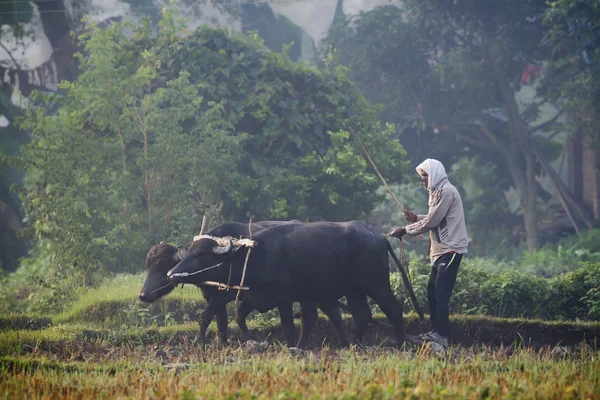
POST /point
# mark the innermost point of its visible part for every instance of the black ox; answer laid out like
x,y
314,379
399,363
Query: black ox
x,y
316,262
163,257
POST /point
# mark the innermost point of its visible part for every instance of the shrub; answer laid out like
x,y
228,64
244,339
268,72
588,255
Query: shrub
x,y
566,256
576,294
480,289
515,294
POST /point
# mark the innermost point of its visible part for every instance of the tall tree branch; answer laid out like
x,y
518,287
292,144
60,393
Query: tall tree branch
x,y
494,140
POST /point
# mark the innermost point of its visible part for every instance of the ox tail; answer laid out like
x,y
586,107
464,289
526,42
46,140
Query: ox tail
x,y
407,283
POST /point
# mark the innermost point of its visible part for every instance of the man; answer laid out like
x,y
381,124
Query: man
x,y
448,237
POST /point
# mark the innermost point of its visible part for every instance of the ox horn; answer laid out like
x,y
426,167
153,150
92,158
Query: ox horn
x,y
219,250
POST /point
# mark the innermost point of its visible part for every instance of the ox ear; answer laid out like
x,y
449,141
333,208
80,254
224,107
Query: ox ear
x,y
222,250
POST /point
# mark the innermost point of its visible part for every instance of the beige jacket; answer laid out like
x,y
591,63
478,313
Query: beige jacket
x,y
445,219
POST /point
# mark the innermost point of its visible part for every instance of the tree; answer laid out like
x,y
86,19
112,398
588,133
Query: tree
x,y
466,59
572,75
389,61
299,161
160,129
127,161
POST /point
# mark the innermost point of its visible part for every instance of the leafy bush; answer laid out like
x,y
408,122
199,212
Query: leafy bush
x,y
516,294
576,295
40,286
512,293
567,255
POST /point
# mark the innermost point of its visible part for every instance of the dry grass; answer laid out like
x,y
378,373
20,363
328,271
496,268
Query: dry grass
x,y
108,345
136,372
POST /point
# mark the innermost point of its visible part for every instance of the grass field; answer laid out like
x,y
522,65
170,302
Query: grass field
x,y
108,345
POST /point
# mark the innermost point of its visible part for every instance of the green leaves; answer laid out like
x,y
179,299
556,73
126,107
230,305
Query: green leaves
x,y
158,131
127,161
572,74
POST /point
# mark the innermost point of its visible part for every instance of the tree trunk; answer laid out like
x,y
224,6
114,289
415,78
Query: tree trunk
x,y
523,177
520,158
531,210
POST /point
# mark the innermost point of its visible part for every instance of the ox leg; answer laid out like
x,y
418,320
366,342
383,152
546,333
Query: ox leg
x,y
332,310
309,316
361,313
222,326
286,313
205,321
244,309
392,309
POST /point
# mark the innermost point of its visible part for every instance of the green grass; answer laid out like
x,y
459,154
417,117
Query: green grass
x,y
106,303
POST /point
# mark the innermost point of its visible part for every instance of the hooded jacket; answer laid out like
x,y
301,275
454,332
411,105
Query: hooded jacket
x,y
445,220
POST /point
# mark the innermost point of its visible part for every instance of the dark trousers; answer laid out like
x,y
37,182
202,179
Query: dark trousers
x,y
439,290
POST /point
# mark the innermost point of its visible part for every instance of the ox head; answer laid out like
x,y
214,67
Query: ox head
x,y
203,261
159,260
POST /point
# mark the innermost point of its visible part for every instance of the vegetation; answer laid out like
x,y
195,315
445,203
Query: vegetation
x,y
450,74
85,358
573,72
515,293
155,126
159,130
347,374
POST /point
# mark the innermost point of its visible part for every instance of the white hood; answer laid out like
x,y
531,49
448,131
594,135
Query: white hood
x,y
435,170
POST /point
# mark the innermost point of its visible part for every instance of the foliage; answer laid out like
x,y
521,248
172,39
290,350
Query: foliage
x,y
40,286
577,293
388,59
486,213
482,289
159,130
300,161
572,75
387,215
460,64
277,31
105,173
566,256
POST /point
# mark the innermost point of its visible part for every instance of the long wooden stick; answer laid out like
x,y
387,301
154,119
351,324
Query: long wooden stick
x,y
203,224
245,262
375,167
381,177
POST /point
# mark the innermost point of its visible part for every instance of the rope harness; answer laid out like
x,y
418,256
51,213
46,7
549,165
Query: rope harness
x,y
221,241
185,274
402,257
162,287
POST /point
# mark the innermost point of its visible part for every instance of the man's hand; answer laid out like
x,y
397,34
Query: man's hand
x,y
410,216
398,232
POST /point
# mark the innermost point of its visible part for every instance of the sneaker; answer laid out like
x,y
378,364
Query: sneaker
x,y
436,337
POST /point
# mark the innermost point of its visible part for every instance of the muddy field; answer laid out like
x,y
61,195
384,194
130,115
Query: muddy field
x,y
490,358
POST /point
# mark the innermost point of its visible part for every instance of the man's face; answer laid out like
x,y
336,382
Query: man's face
x,y
424,178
